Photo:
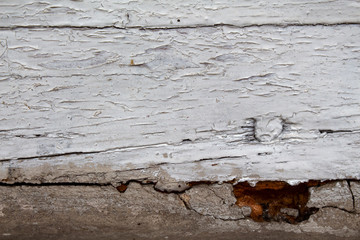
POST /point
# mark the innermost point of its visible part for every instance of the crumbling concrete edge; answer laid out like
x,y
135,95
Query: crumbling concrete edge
x,y
218,201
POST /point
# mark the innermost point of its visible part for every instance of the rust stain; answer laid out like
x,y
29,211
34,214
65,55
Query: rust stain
x,y
267,199
122,188
132,62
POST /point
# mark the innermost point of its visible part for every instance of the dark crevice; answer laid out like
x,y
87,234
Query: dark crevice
x,y
186,204
53,155
155,28
251,136
200,160
191,184
271,197
122,187
352,194
254,77
342,209
5,184
82,153
167,191
114,149
219,158
264,153
267,198
31,136
334,131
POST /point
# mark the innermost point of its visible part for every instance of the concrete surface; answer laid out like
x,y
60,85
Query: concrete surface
x,y
335,194
141,212
355,190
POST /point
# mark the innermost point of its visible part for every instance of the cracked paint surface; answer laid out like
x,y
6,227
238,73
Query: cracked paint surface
x,y
208,103
111,92
147,117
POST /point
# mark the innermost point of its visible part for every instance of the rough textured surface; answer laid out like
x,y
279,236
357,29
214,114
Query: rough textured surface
x,y
213,103
171,13
355,190
76,212
168,186
335,194
103,95
217,201
290,211
275,200
101,212
335,221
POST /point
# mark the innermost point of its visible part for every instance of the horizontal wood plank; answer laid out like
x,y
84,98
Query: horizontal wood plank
x,y
197,103
334,156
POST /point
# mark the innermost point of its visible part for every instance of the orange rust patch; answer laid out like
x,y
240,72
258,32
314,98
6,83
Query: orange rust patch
x,y
267,198
122,188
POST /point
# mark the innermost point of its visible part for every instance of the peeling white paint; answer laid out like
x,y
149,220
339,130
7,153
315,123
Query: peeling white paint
x,y
183,104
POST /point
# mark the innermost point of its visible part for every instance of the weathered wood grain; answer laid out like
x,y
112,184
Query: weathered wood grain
x,y
109,105
330,157
171,13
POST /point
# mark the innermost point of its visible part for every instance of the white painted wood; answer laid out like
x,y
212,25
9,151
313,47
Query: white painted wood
x,y
173,13
187,104
329,157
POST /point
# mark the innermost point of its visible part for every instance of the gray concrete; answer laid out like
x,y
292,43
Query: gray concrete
x,y
141,212
335,194
355,189
215,200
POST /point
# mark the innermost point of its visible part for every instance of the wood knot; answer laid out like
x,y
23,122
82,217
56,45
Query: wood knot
x,y
268,129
